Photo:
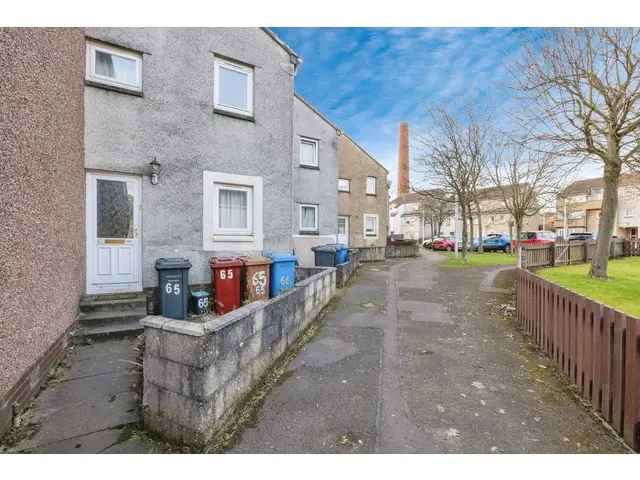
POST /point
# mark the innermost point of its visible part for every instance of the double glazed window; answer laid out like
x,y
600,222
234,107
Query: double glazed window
x,y
234,212
371,185
308,218
344,185
114,66
308,152
233,87
370,225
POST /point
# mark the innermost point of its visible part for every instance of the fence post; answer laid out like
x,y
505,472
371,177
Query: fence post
x,y
552,256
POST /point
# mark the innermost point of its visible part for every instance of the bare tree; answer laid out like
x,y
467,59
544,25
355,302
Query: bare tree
x,y
584,85
436,208
527,180
449,160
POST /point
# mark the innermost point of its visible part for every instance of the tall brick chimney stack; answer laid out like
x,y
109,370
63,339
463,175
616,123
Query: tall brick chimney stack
x,y
403,159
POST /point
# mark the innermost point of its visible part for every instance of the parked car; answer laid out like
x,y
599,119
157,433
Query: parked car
x,y
580,236
443,244
497,242
539,237
428,242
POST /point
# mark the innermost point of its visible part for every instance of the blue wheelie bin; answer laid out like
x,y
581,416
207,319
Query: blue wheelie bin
x,y
283,272
342,253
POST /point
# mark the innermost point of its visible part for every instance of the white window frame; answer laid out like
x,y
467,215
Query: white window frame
x,y
218,230
348,185
91,75
220,62
214,238
375,185
364,224
316,145
308,205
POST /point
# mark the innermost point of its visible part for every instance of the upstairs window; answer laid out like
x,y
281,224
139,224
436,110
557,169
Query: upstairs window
x,y
371,185
309,152
344,185
233,87
114,66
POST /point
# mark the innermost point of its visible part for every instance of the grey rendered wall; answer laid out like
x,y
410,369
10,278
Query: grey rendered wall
x,y
174,121
316,186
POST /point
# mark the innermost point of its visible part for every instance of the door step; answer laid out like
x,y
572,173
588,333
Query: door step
x,y
110,315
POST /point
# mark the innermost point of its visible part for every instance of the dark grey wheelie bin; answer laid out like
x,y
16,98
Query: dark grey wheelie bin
x,y
173,283
325,255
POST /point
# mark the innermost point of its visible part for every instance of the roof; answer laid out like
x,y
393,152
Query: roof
x,y
296,59
412,197
583,186
316,111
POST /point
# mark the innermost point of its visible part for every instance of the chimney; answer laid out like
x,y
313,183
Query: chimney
x,y
403,159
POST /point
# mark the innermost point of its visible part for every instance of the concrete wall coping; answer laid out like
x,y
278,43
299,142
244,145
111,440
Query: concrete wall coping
x,y
211,323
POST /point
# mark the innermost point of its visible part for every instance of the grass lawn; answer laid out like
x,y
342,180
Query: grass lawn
x,y
621,291
487,259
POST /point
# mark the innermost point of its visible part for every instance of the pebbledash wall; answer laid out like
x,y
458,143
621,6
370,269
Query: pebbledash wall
x,y
196,373
314,186
41,205
174,121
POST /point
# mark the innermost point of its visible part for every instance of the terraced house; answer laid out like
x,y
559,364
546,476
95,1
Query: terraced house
x,y
578,207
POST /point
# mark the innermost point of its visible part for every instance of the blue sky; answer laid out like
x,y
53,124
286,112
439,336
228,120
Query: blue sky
x,y
367,80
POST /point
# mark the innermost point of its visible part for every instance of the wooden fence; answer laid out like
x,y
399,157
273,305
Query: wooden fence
x,y
597,347
568,253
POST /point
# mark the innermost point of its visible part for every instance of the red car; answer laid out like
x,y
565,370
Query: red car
x,y
443,244
541,237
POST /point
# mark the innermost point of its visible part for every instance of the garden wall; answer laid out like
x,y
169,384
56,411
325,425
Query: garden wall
x,y
597,347
345,271
195,373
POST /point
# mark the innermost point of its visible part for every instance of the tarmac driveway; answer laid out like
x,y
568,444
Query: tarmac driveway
x,y
410,359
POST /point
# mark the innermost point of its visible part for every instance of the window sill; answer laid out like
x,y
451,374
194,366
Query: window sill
x,y
237,116
113,88
344,191
234,238
309,233
309,167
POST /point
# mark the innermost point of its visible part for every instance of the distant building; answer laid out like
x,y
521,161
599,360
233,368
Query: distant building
x,y
578,207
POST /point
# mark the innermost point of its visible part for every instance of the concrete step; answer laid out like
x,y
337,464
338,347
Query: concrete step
x,y
103,318
105,303
115,329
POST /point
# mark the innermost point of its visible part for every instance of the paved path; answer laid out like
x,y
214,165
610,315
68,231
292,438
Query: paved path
x,y
89,405
410,360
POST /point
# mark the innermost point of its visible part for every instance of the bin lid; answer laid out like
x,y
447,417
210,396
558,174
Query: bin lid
x,y
225,262
282,257
200,294
339,246
172,263
251,261
325,248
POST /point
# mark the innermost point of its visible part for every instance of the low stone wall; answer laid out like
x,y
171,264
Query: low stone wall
x,y
344,271
372,254
196,372
402,251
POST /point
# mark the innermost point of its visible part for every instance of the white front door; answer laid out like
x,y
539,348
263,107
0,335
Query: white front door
x,y
343,230
114,260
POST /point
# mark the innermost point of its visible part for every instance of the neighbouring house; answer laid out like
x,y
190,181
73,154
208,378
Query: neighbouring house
x,y
578,207
315,154
41,205
188,150
363,198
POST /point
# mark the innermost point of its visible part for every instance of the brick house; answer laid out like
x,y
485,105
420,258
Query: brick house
x,y
363,197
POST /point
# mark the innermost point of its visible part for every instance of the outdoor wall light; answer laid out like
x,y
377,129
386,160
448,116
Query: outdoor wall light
x,y
155,171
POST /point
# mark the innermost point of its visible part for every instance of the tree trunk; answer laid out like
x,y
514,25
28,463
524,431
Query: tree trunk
x,y
471,227
480,247
519,243
608,212
464,232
